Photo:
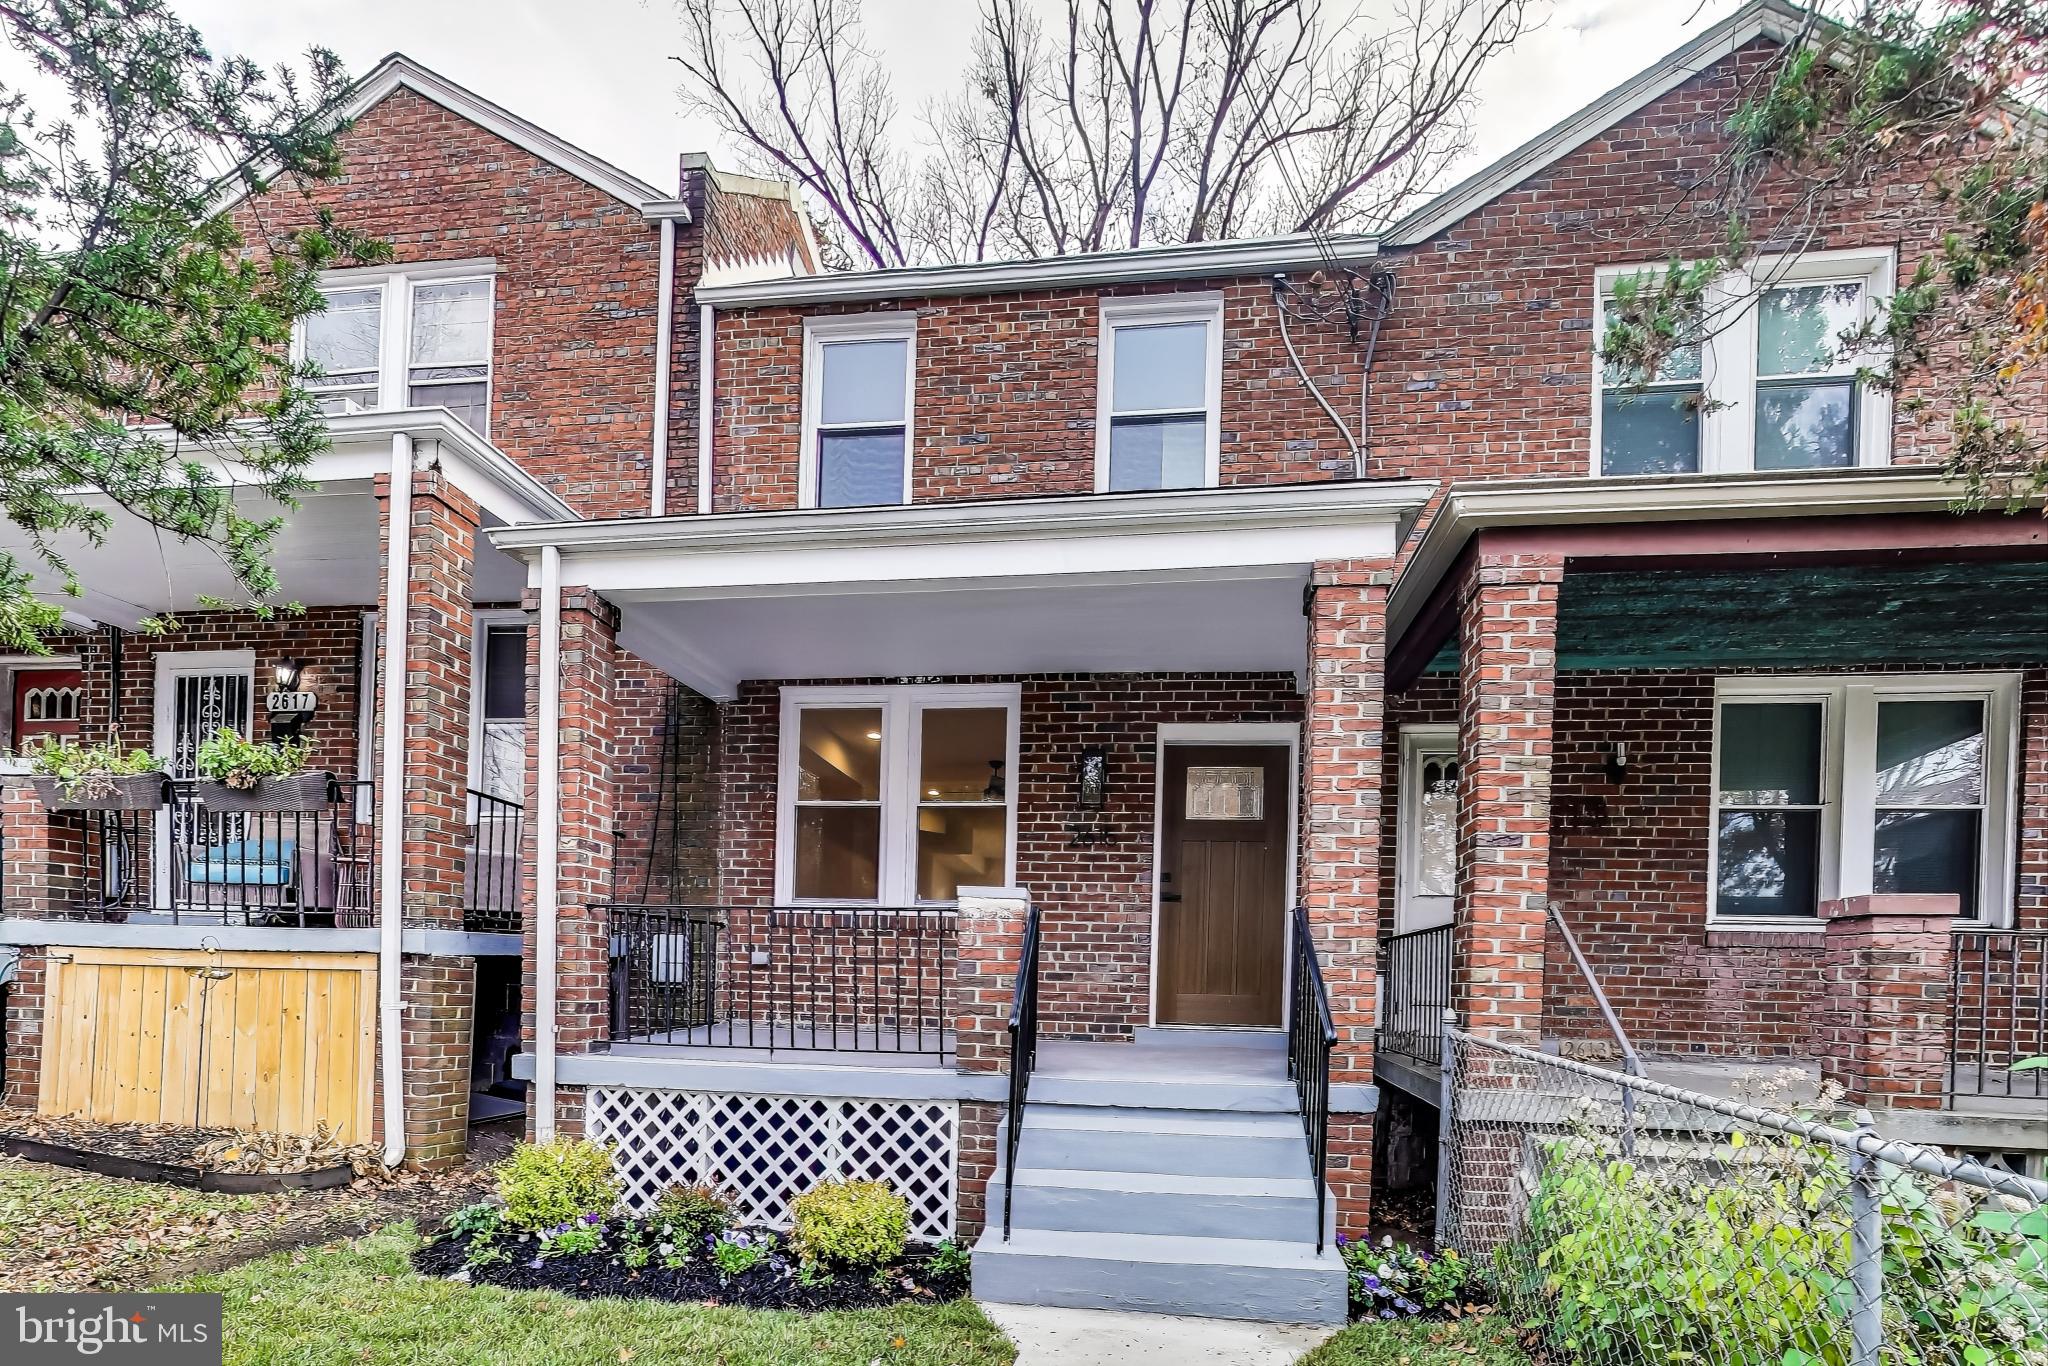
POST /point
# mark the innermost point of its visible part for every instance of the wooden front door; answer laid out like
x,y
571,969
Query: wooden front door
x,y
1223,884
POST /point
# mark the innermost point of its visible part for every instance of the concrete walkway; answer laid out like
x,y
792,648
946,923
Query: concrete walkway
x,y
1098,1337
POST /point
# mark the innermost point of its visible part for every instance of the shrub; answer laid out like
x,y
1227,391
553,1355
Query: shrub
x,y
241,764
1393,1282
692,1217
545,1185
850,1223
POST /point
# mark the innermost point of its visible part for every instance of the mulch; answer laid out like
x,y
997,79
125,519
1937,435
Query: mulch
x,y
226,1150
773,1284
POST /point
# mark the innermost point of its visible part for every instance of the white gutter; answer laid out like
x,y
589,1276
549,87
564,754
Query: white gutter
x,y
664,324
391,813
707,322
547,842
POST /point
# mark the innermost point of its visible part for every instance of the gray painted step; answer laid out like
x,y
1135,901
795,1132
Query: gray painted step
x,y
1165,1142
1258,1097
1236,1278
1278,1208
1208,1040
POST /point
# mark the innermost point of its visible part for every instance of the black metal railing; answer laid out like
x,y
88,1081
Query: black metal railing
x,y
1023,1058
809,978
1311,1035
1998,1014
188,863
1415,982
492,887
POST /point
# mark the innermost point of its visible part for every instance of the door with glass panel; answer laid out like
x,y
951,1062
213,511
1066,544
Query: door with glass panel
x,y
197,695
1418,986
1223,884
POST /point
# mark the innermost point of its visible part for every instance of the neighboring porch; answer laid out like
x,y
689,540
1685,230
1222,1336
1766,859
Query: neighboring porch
x,y
1740,798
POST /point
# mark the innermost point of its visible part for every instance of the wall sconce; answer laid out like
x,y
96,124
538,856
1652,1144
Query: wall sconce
x,y
1616,761
291,704
1091,779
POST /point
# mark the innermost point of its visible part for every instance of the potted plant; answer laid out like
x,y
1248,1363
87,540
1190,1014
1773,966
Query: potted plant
x,y
249,775
69,776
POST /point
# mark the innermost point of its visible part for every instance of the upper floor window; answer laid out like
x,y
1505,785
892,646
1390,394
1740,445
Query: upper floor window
x,y
416,337
1829,788
1770,384
1160,393
857,410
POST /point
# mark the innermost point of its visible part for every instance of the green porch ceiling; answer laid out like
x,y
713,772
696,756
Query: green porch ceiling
x,y
1808,617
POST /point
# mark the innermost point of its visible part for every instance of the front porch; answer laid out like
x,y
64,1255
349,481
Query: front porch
x,y
1752,800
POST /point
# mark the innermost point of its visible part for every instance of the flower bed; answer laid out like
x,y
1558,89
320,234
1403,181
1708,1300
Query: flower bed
x,y
774,1280
1394,1281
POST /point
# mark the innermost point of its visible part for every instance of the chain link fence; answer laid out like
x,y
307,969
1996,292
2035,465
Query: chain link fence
x,y
1625,1221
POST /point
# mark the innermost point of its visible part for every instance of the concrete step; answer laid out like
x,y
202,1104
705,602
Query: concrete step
x,y
1272,1041
1236,1278
1162,1142
1282,1209
1146,1093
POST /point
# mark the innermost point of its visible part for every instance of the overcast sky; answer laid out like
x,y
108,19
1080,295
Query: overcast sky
x,y
597,72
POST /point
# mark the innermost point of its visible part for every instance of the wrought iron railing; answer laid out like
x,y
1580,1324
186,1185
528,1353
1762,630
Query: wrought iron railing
x,y
1023,1058
775,978
187,863
1998,1014
1415,984
492,886
1311,1035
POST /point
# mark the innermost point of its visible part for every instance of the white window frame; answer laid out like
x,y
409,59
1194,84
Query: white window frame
x,y
483,621
1728,368
1849,781
820,333
394,350
902,706
1155,311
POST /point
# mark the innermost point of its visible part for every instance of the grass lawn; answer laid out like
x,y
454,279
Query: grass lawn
x,y
1478,1340
62,1230
361,1302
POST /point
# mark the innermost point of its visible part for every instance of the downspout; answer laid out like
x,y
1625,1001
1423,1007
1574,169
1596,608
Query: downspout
x,y
707,320
664,327
547,841
391,814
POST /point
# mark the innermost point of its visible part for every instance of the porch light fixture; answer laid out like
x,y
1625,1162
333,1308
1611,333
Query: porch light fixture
x,y
1616,761
290,704
1091,778
288,674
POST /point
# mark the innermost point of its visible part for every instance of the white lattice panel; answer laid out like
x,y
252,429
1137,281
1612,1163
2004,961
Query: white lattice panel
x,y
764,1150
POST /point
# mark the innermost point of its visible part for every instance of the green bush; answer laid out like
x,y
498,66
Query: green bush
x,y
692,1218
858,1224
241,764
1745,1260
545,1185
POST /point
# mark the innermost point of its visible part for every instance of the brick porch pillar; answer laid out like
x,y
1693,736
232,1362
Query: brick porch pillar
x,y
1507,671
1343,741
989,940
1885,1037
44,873
439,990
587,754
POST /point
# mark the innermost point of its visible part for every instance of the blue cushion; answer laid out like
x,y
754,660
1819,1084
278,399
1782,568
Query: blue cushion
x,y
245,863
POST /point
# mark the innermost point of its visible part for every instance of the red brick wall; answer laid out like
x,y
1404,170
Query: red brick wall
x,y
1629,861
572,382
328,640
1097,901
1006,391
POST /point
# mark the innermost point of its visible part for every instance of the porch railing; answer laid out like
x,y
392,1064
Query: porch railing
x,y
775,978
1311,1035
185,863
1998,1014
1415,982
492,887
1023,1058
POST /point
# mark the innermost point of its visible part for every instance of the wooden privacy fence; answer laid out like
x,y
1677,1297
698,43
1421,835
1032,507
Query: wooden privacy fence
x,y
275,1041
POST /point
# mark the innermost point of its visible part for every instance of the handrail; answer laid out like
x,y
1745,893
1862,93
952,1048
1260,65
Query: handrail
x,y
1997,1013
1311,1035
1630,1062
1023,1057
1415,990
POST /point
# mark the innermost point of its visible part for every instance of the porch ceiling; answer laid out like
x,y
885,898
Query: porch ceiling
x,y
1817,616
1235,625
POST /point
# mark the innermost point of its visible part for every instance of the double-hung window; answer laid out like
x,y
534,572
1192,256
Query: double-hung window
x,y
416,337
1159,393
1770,381
895,796
1827,788
858,388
